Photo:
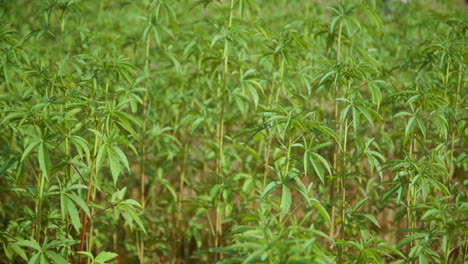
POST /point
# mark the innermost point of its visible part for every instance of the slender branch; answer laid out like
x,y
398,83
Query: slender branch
x,y
102,210
79,173
88,196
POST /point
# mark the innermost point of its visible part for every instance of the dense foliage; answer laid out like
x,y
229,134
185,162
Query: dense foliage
x,y
237,131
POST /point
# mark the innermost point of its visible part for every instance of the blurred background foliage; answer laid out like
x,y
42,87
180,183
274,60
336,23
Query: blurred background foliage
x,y
235,131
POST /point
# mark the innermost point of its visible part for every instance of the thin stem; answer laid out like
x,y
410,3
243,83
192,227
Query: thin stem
x,y
343,179
220,160
280,86
39,207
79,173
103,210
91,227
447,74
286,169
148,44
179,202
408,211
67,176
107,88
457,102
338,48
97,143
447,248
288,158
146,106
335,114
270,136
267,159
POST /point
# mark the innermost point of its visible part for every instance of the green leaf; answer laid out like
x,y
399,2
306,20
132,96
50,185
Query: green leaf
x,y
7,165
359,204
29,148
56,258
423,259
254,93
44,161
122,157
286,199
43,258
80,202
87,254
409,127
132,202
390,193
101,156
429,213
19,251
366,113
422,127
325,77
424,188
215,39
114,165
35,259
318,168
316,203
411,238
29,243
134,216
103,257
371,218
270,188
81,145
334,21
74,216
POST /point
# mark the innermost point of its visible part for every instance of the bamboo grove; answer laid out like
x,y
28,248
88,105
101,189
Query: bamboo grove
x,y
233,131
